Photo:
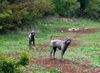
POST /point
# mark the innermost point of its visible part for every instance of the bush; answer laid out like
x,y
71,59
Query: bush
x,y
66,8
11,16
15,15
8,65
24,59
12,65
30,19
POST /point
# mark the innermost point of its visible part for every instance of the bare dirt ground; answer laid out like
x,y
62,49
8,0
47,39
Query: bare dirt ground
x,y
42,45
65,66
80,31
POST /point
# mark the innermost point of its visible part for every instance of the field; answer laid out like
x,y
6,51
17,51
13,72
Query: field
x,y
82,56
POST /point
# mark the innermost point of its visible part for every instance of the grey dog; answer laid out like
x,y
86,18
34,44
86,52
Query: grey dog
x,y
61,45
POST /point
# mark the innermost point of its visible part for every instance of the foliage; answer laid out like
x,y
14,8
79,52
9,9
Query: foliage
x,y
93,10
15,14
44,7
83,6
66,8
11,64
8,65
24,59
11,16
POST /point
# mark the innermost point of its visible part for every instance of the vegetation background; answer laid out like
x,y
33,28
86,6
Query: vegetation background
x,y
15,14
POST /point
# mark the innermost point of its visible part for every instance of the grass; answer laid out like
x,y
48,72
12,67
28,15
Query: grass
x,y
89,48
82,23
13,42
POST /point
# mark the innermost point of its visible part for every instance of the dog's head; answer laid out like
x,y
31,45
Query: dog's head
x,y
68,41
32,33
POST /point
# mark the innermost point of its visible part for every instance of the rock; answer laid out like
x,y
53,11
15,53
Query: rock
x,y
73,29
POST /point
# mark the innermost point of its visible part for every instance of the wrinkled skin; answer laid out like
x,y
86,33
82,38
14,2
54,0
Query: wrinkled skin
x,y
59,44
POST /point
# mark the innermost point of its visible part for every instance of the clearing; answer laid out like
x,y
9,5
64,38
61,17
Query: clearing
x,y
82,56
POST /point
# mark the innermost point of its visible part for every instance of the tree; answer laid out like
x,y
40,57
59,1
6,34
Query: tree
x,y
11,16
83,5
93,10
66,8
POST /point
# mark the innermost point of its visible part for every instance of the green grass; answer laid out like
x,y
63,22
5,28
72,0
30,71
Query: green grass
x,y
82,23
89,48
13,42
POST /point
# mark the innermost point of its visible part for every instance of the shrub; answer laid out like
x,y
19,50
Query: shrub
x,y
12,65
24,59
8,65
